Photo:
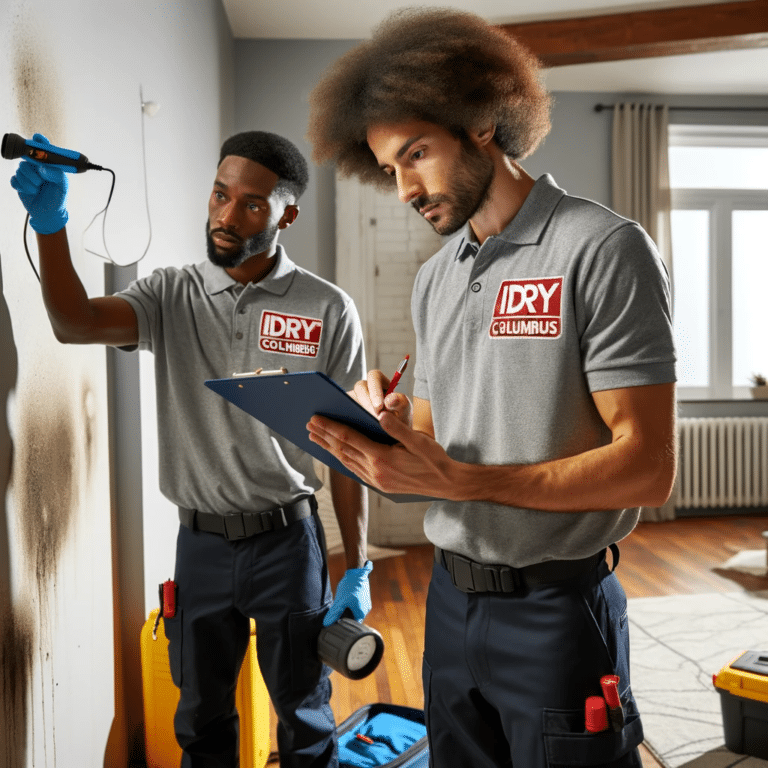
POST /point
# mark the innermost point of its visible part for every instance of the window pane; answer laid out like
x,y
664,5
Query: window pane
x,y
750,280
690,245
718,167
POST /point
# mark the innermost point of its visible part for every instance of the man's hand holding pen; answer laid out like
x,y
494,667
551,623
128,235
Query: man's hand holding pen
x,y
415,464
377,394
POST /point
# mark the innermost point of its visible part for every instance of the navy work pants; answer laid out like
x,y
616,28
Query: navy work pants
x,y
280,579
506,676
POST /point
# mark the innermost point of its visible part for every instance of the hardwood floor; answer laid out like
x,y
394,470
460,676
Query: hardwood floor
x,y
677,557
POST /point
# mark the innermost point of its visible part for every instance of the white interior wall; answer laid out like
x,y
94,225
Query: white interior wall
x,y
73,72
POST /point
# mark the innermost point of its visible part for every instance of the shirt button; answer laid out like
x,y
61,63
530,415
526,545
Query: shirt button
x,y
241,312
239,335
476,287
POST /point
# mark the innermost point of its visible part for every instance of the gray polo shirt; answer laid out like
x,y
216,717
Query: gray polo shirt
x,y
201,324
512,339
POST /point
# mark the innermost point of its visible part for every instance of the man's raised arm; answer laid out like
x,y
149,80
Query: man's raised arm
x,y
74,317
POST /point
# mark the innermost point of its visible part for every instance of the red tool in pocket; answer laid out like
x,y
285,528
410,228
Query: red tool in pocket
x,y
595,716
168,592
610,686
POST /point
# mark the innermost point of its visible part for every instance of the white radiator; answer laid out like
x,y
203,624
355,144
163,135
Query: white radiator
x,y
723,462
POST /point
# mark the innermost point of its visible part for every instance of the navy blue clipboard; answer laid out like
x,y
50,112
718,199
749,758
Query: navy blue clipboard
x,y
285,402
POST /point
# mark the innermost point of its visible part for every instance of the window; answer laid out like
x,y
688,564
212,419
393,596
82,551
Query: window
x,y
719,181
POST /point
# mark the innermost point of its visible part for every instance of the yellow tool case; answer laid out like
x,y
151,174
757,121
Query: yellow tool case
x,y
161,697
743,689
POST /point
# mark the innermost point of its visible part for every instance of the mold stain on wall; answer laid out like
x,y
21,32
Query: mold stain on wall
x,y
16,625
46,480
48,453
88,416
34,81
56,446
17,638
41,469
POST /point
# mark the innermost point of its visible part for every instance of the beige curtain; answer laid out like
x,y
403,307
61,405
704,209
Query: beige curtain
x,y
640,171
640,184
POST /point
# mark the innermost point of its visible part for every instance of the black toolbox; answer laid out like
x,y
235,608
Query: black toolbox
x,y
743,689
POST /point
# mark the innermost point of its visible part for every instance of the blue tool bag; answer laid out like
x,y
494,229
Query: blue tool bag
x,y
384,735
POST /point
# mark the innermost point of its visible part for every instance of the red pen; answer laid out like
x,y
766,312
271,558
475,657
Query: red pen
x,y
396,377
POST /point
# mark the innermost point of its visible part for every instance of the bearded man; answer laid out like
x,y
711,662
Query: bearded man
x,y
250,543
543,407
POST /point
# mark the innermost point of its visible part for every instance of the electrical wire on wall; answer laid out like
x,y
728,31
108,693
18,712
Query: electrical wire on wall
x,y
148,108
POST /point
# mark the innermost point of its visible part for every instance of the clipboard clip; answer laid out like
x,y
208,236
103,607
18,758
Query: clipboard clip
x,y
262,372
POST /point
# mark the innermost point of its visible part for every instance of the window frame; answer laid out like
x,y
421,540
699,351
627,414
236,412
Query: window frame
x,y
720,204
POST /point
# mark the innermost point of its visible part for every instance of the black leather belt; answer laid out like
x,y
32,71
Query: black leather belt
x,y
472,577
241,525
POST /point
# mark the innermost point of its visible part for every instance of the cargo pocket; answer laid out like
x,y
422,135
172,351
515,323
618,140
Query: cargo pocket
x,y
567,743
174,632
304,628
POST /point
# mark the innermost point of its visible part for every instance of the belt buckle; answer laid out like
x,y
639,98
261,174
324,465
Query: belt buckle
x,y
471,577
234,527
503,577
461,574
255,523
266,521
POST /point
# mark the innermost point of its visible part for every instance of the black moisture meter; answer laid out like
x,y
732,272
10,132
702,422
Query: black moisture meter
x,y
350,648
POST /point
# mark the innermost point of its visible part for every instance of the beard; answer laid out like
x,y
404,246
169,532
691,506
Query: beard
x,y
472,176
258,243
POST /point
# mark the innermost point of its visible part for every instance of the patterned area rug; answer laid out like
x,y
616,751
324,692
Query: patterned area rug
x,y
677,644
748,568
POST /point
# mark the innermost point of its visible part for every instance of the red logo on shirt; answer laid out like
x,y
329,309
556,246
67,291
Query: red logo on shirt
x,y
528,308
290,334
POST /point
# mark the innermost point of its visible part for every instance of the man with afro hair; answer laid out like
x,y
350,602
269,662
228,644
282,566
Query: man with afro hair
x,y
250,542
543,406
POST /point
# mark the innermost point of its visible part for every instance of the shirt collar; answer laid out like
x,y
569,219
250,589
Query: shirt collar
x,y
467,245
277,281
528,223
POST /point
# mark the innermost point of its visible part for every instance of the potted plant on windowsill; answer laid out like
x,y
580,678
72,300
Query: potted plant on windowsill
x,y
759,387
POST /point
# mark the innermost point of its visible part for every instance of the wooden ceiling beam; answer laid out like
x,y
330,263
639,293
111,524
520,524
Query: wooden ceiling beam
x,y
643,34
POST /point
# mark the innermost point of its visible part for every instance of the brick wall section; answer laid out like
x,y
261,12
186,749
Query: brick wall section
x,y
403,241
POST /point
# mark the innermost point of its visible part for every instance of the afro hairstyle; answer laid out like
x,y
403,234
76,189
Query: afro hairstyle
x,y
447,67
276,154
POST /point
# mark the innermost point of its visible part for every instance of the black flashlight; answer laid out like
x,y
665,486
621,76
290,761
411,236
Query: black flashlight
x,y
351,648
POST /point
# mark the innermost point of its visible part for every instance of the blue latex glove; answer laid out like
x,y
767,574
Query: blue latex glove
x,y
353,592
42,189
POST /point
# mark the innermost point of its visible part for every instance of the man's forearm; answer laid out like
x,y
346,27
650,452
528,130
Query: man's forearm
x,y
350,502
614,476
74,317
64,295
636,469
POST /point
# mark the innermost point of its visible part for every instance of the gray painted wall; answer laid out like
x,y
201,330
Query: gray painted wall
x,y
273,80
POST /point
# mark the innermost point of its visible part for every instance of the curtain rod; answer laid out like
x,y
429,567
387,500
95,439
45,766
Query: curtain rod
x,y
601,107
